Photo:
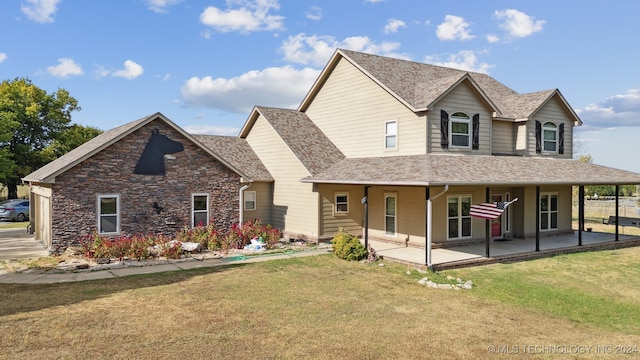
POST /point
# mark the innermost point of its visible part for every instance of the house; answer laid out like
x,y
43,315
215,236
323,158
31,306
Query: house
x,y
147,176
384,148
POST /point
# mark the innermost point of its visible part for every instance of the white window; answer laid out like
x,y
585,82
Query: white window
x,y
550,137
341,203
391,134
460,130
390,214
548,211
108,214
249,200
199,210
458,217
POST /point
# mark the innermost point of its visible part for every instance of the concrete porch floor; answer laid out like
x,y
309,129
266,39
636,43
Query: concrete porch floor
x,y
501,251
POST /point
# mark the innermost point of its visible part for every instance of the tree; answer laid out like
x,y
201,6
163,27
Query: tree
x,y
30,120
69,139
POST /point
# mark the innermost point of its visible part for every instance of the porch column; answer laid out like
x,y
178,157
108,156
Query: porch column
x,y
580,213
487,227
427,227
365,202
537,218
617,211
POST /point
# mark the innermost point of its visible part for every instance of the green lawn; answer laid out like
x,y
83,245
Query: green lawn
x,y
325,308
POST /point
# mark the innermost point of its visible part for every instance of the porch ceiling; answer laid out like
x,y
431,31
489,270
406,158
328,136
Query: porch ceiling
x,y
437,170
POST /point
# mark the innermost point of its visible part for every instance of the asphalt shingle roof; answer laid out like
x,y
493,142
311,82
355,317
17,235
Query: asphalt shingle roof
x,y
237,152
434,170
310,145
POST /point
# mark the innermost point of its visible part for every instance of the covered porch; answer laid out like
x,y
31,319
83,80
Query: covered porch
x,y
502,251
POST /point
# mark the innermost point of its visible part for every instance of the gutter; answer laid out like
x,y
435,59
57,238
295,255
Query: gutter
x,y
241,205
430,223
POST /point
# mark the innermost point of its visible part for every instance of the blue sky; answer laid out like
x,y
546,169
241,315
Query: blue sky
x,y
205,64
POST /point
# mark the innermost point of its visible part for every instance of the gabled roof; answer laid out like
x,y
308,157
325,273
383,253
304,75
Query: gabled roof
x,y
48,173
307,142
420,86
237,152
436,170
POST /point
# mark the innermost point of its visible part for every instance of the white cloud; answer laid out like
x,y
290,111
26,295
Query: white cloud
x,y
615,111
161,6
393,25
40,10
131,70
317,49
493,38
250,16
463,60
453,28
3,57
276,86
518,24
315,13
212,130
66,67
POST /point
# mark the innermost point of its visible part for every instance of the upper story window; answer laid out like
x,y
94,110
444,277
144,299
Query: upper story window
x,y
550,137
391,134
460,130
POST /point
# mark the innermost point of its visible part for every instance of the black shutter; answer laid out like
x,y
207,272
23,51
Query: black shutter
x,y
561,139
538,137
476,132
444,129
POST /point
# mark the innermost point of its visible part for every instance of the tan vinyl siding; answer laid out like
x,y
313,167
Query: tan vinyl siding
x,y
502,137
264,201
295,204
352,110
555,112
463,98
564,209
351,221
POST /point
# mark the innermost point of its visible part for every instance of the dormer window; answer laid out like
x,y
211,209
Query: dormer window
x,y
550,136
460,130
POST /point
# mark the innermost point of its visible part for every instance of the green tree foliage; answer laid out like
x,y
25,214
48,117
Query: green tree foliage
x,y
69,139
30,120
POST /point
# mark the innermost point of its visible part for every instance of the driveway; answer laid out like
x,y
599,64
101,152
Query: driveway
x,y
18,244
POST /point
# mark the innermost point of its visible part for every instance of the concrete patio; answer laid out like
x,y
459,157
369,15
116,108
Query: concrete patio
x,y
500,250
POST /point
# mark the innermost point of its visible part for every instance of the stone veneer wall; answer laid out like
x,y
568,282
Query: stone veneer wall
x,y
111,171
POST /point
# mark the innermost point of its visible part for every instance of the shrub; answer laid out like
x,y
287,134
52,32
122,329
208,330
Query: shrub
x,y
347,246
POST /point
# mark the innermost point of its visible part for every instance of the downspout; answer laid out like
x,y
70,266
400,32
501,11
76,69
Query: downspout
x,y
241,207
430,222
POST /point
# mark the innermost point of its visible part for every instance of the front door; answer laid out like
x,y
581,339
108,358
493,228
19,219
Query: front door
x,y
496,224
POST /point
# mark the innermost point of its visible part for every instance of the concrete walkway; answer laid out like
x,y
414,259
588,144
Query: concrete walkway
x,y
18,244
56,276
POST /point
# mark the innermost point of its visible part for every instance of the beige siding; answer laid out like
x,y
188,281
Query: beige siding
x,y
41,213
463,98
331,222
295,204
564,209
502,137
264,201
554,111
352,110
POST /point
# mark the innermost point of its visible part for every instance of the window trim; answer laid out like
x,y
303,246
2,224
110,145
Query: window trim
x,y
395,214
193,211
460,217
99,215
336,211
549,211
546,127
387,135
455,118
247,200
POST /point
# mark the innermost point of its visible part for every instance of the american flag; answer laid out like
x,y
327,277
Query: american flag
x,y
490,210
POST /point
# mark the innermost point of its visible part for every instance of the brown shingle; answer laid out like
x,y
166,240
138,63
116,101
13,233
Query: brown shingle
x,y
430,170
237,152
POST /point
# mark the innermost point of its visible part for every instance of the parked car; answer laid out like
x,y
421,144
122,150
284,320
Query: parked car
x,y
15,210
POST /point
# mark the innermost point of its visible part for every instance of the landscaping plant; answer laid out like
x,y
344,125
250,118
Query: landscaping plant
x,y
347,246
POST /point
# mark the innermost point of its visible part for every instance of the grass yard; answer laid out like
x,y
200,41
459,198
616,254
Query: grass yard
x,y
325,308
